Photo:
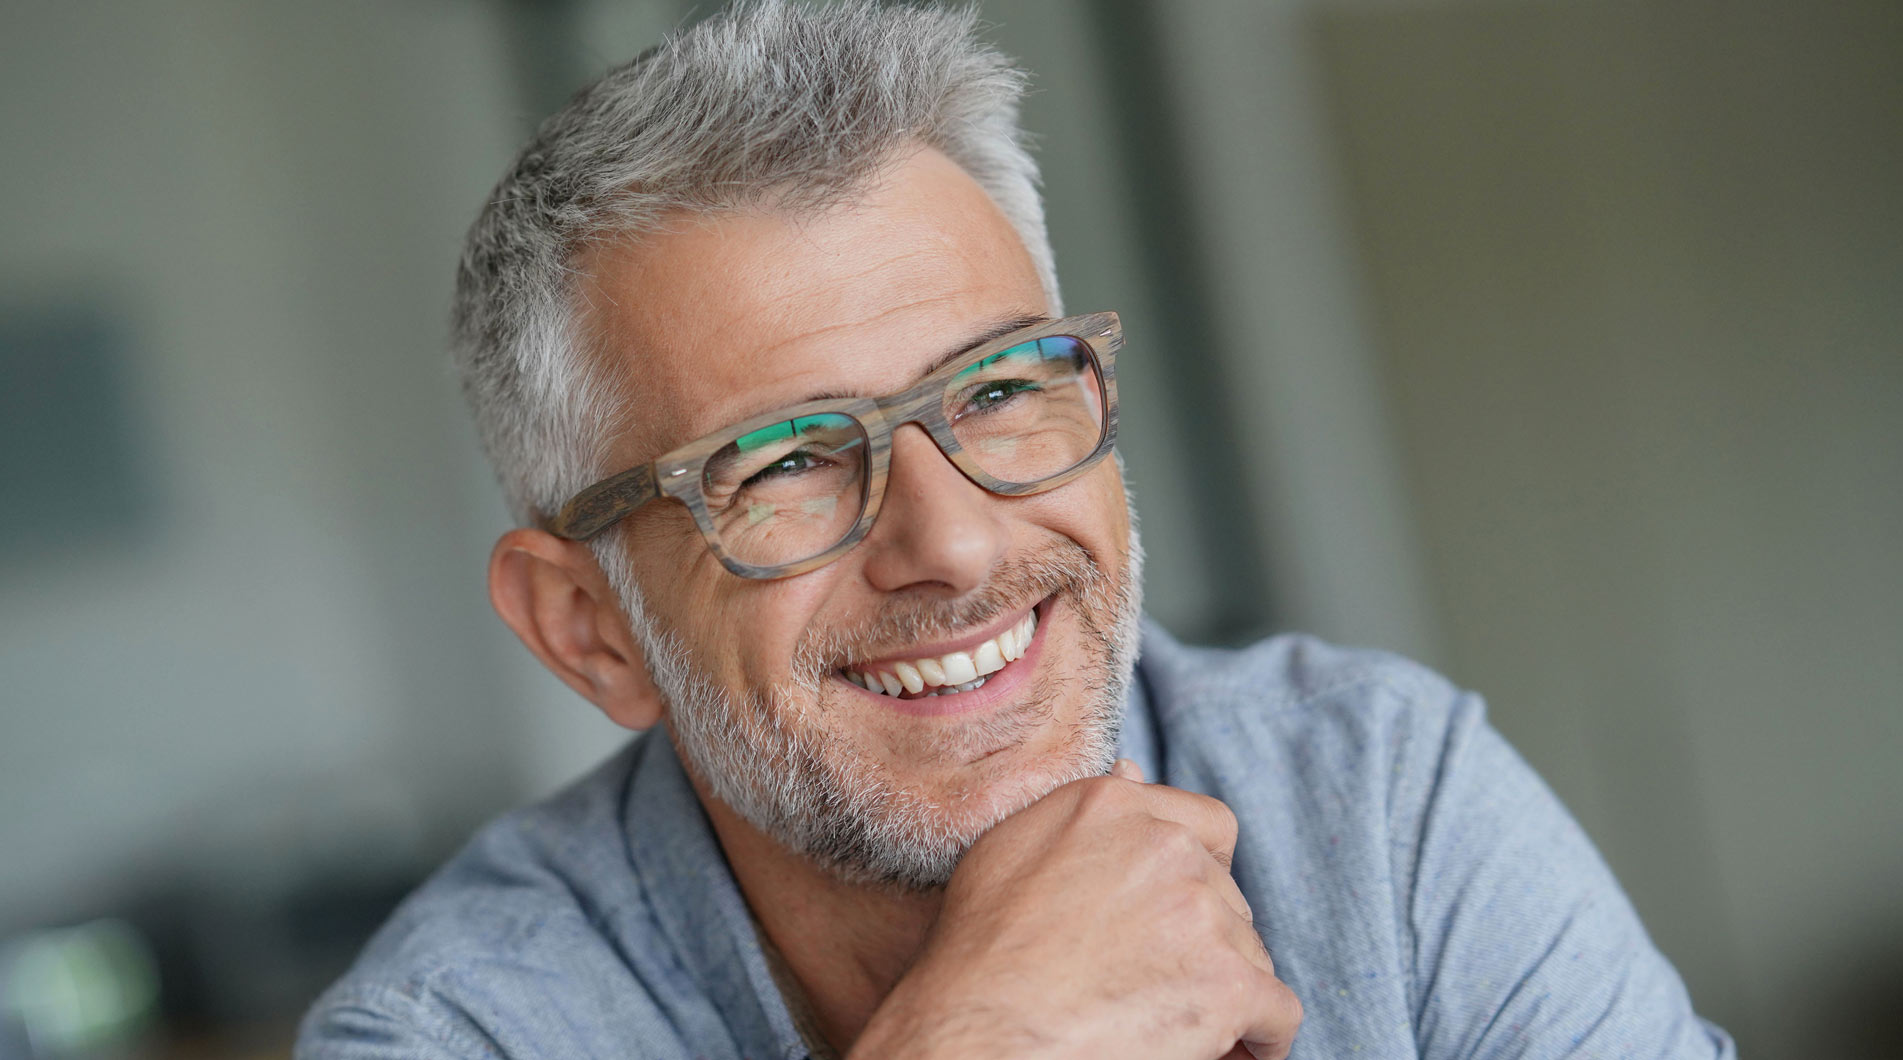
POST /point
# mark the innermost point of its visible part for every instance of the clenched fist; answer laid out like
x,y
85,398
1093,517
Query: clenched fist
x,y
1100,921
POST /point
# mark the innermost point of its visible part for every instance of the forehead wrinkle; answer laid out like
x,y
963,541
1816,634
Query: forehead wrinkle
x,y
788,299
727,285
729,412
784,297
790,310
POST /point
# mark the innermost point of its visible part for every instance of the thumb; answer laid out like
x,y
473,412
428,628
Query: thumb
x,y
1128,770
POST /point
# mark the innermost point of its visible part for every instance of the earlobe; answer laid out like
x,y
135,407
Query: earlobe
x,y
552,594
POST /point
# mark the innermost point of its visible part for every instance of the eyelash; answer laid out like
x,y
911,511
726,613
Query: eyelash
x,y
774,469
1016,387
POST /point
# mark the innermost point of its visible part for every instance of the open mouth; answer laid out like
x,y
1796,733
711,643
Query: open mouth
x,y
964,670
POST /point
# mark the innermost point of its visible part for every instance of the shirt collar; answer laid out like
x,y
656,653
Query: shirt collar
x,y
1140,740
678,861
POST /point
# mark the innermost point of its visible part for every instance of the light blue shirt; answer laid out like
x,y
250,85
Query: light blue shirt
x,y
1420,889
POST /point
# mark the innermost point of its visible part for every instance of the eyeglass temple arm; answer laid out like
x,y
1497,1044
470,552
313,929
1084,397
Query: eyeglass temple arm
x,y
599,506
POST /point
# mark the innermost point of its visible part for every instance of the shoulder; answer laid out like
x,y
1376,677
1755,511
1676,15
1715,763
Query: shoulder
x,y
537,917
540,871
1313,706
1284,672
1334,759
1405,861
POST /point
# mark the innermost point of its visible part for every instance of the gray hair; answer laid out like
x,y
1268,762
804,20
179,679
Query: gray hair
x,y
763,102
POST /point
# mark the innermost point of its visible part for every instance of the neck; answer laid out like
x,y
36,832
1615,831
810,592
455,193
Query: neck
x,y
847,944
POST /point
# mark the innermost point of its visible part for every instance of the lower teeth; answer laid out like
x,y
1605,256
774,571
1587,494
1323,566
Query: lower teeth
x,y
940,690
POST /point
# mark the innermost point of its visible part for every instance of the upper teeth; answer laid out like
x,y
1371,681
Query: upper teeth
x,y
955,670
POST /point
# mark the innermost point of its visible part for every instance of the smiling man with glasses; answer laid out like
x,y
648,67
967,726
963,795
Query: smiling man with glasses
x,y
763,336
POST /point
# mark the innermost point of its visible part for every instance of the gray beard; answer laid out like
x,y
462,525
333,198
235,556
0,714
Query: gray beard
x,y
823,798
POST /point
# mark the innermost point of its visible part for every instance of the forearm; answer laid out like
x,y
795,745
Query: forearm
x,y
918,1020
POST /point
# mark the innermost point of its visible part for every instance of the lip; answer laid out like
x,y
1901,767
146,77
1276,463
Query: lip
x,y
999,685
946,647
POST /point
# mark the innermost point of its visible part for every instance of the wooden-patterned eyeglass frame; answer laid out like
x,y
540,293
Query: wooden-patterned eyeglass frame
x,y
678,473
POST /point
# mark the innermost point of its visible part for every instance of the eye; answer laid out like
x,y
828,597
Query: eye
x,y
789,464
990,394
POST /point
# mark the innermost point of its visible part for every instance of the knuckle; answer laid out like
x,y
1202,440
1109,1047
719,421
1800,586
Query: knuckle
x,y
1224,817
1185,910
1216,811
1275,1000
1286,1004
1173,841
1211,911
1099,795
1201,913
1227,831
1239,991
1214,821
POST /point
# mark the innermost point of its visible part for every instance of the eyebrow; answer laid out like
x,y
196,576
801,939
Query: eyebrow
x,y
996,330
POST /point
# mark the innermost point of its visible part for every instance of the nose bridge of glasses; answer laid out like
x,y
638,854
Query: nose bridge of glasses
x,y
920,472
924,407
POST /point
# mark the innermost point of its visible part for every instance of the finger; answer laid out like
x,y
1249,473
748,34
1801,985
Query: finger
x,y
1128,770
1218,878
1242,938
1271,1029
1213,824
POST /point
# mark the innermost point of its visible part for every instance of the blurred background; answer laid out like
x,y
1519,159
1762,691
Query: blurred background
x,y
1558,343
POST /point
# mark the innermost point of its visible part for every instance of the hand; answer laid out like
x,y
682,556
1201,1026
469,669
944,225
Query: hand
x,y
1099,921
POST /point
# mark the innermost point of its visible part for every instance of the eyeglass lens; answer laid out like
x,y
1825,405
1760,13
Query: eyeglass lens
x,y
788,492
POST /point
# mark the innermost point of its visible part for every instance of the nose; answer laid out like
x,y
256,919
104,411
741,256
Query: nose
x,y
937,530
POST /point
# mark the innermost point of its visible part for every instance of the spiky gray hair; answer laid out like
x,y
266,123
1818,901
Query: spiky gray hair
x,y
766,101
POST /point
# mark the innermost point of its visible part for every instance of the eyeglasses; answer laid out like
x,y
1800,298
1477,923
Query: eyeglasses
x,y
786,492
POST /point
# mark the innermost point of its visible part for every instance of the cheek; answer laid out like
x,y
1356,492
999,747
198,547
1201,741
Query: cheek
x,y
683,588
1093,511
744,632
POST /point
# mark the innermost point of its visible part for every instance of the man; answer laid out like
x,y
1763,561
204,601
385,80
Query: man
x,y
763,336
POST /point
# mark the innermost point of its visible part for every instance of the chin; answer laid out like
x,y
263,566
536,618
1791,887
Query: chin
x,y
913,830
1004,780
881,790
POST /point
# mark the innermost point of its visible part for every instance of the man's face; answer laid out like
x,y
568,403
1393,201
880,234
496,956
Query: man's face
x,y
725,317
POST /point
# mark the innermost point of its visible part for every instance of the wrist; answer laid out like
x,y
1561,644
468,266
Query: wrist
x,y
930,1020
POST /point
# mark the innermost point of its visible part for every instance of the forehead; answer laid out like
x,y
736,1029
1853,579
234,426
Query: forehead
x,y
724,316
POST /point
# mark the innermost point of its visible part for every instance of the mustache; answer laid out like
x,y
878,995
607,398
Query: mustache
x,y
910,618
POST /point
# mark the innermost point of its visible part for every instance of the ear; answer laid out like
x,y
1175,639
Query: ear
x,y
552,593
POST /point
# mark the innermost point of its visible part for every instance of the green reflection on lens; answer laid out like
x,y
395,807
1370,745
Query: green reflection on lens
x,y
784,429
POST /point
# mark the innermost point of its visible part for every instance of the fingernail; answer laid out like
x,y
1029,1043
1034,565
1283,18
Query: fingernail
x,y
1127,769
